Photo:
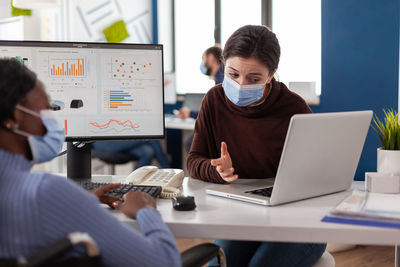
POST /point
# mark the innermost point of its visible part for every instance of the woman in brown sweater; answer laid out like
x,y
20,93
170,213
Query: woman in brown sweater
x,y
240,132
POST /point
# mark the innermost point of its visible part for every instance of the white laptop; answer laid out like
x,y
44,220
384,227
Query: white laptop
x,y
320,156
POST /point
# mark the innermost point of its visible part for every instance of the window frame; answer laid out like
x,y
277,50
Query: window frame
x,y
266,19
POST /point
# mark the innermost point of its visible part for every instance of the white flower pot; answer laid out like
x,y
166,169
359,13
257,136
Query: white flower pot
x,y
388,161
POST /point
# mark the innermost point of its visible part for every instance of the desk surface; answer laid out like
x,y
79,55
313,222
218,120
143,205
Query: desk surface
x,y
172,122
222,218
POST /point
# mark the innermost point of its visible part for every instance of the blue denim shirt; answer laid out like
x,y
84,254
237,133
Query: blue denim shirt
x,y
219,76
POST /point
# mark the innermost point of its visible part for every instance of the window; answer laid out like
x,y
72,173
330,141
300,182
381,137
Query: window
x,y
297,25
165,32
194,33
238,13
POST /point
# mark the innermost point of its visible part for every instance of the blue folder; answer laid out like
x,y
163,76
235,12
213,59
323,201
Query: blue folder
x,y
358,221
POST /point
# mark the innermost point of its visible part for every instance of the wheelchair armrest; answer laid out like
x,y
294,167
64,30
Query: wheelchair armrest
x,y
56,249
201,254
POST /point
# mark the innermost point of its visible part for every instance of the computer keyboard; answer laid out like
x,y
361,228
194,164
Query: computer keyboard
x,y
266,192
153,191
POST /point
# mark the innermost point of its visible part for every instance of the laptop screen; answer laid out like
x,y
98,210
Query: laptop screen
x,y
193,101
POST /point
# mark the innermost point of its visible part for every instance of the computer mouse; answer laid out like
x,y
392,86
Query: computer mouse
x,y
184,203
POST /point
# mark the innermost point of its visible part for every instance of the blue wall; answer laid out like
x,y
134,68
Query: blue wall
x,y
360,60
155,21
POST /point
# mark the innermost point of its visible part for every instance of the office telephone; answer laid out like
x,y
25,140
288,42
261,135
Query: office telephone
x,y
168,179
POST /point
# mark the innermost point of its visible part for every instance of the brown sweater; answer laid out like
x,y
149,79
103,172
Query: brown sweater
x,y
254,135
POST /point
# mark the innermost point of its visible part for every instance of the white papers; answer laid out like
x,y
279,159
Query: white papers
x,y
370,205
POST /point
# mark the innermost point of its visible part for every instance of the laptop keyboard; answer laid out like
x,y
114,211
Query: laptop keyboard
x,y
265,192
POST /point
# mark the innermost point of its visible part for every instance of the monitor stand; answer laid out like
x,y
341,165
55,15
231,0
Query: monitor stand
x,y
79,160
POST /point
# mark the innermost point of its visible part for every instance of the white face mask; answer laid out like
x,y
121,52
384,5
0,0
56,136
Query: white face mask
x,y
47,147
242,95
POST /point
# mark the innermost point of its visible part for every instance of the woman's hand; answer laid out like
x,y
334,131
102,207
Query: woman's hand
x,y
132,202
224,165
101,191
183,113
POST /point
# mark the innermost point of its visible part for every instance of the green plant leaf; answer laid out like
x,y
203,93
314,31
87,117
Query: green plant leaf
x,y
388,130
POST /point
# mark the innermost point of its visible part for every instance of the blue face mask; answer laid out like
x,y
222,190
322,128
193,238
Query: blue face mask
x,y
44,148
204,69
242,95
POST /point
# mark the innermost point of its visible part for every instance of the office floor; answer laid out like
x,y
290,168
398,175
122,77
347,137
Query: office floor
x,y
365,256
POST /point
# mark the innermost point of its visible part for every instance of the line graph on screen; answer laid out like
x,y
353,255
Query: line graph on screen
x,y
113,125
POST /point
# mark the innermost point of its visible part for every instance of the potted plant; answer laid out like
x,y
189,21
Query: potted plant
x,y
388,133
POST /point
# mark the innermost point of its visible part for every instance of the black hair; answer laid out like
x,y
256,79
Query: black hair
x,y
216,51
254,41
16,81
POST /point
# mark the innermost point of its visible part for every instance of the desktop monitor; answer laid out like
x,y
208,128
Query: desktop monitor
x,y
100,91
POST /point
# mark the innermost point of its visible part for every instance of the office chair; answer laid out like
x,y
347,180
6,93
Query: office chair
x,y
50,255
201,254
113,158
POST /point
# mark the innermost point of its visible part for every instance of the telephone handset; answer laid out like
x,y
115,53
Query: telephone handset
x,y
168,179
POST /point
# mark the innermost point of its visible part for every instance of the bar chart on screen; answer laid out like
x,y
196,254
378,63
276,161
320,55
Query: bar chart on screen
x,y
67,67
118,99
67,70
126,100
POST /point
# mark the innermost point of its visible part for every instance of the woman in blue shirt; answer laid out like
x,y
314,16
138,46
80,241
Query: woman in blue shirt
x,y
39,208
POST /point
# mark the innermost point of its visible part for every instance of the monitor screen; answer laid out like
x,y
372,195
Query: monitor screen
x,y
100,91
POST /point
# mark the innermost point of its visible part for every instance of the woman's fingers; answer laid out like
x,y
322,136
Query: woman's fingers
x,y
224,149
224,154
109,200
104,189
226,173
216,162
231,178
223,165
116,204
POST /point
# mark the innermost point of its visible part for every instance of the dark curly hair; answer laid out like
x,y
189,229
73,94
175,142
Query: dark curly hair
x,y
254,41
16,81
216,51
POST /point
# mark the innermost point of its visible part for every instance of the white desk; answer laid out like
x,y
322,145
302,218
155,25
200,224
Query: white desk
x,y
172,122
300,221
